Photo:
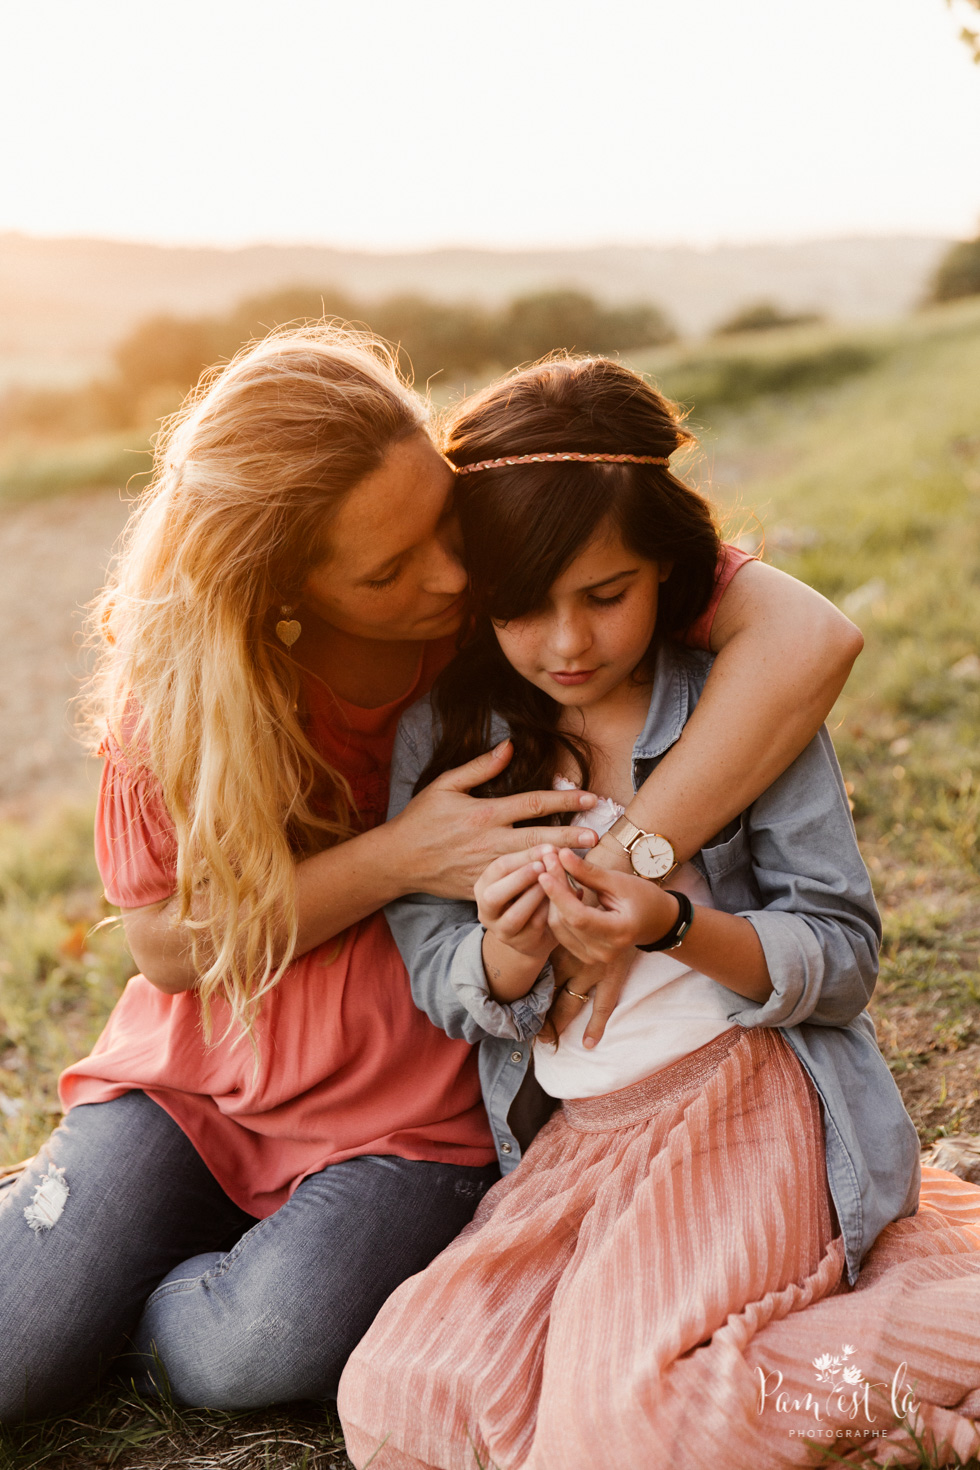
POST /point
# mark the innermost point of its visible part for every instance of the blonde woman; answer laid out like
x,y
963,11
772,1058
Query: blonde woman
x,y
268,1137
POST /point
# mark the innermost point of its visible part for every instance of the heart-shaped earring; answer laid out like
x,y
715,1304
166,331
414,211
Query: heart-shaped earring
x,y
287,628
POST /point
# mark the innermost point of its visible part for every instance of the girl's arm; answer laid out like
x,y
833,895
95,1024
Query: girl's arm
x,y
442,940
783,656
725,947
792,874
439,843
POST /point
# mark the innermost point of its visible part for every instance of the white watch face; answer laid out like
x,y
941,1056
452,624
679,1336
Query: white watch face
x,y
652,856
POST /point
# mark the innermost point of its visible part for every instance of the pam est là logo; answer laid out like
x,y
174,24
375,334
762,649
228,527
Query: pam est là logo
x,y
843,1393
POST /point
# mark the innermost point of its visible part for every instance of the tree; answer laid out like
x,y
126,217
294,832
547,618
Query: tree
x,y
258,315
764,316
969,37
568,320
434,337
162,357
958,273
166,351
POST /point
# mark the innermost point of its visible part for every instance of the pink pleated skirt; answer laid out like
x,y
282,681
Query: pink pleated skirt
x,y
661,1283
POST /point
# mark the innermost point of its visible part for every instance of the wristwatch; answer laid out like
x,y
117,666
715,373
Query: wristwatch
x,y
677,930
651,855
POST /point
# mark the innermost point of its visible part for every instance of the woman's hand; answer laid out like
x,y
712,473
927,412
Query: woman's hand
x,y
440,844
630,910
445,838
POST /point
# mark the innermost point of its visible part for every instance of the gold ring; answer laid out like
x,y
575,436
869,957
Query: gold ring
x,y
570,991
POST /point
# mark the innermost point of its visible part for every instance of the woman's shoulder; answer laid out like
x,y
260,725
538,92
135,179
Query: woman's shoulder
x,y
125,745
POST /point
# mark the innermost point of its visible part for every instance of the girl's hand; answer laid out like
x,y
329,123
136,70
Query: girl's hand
x,y
445,838
630,910
512,907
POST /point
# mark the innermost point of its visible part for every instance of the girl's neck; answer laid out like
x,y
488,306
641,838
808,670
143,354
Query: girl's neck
x,y
366,672
611,728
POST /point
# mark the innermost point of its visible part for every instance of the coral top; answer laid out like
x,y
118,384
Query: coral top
x,y
346,1064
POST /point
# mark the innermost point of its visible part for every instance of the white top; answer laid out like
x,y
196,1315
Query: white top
x,y
665,1010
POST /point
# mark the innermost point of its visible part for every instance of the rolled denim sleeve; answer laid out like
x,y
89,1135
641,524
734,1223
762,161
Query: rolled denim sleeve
x,y
521,1019
816,916
441,940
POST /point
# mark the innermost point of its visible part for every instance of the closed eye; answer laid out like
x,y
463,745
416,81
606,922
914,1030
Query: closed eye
x,y
379,583
607,601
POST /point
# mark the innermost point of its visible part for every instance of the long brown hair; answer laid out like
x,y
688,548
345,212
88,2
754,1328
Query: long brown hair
x,y
523,525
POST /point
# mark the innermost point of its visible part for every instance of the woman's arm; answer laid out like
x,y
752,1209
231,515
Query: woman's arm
x,y
443,942
783,656
334,889
439,844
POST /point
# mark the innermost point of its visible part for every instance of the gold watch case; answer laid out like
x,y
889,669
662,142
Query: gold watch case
x,y
650,854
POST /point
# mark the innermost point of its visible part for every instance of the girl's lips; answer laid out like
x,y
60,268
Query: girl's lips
x,y
579,676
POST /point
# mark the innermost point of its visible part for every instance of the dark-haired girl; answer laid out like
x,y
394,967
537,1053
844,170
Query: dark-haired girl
x,y
672,1273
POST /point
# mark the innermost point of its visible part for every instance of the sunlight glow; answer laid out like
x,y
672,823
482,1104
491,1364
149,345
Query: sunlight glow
x,y
529,122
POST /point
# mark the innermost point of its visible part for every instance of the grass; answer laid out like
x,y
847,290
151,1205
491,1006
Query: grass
x,y
30,472
123,1430
866,484
61,968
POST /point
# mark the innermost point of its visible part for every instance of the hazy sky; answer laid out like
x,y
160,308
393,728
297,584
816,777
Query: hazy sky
x,y
404,123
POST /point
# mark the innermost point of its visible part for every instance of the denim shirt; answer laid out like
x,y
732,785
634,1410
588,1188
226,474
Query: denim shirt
x,y
789,865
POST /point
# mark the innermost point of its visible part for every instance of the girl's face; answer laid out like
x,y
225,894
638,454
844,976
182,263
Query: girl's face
x,y
594,627
394,571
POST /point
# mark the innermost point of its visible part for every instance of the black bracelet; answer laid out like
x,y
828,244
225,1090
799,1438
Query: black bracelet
x,y
675,934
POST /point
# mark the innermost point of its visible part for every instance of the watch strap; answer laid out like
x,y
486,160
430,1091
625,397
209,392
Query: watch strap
x,y
675,934
625,832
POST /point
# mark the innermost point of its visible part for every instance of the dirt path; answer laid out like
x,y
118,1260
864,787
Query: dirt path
x,y
52,558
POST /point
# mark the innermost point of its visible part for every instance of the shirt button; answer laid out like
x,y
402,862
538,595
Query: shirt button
x,y
505,1148
517,1056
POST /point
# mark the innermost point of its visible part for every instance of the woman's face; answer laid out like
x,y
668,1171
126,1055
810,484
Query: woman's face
x,y
394,572
594,627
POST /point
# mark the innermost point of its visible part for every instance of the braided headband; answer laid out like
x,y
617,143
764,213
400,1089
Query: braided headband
x,y
494,464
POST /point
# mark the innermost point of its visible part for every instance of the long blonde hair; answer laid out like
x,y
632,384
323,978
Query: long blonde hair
x,y
191,679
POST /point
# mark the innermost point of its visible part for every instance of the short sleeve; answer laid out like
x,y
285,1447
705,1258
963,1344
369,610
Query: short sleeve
x,y
730,561
135,841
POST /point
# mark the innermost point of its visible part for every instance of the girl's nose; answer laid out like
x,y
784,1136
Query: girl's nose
x,y
571,637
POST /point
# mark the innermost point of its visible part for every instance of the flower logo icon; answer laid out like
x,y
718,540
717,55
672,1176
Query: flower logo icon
x,y
834,1369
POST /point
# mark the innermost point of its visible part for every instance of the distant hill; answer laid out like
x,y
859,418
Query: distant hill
x,y
63,303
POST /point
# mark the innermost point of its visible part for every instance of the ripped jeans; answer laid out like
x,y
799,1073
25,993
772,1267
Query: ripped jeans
x,y
146,1253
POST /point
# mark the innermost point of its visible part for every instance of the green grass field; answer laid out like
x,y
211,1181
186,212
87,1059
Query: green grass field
x,y
870,490
29,472
857,454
